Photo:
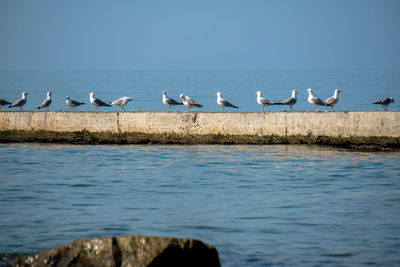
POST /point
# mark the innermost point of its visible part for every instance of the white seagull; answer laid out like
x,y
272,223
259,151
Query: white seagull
x,y
169,101
20,102
384,102
4,102
97,102
333,99
122,102
289,101
262,100
46,103
313,100
72,103
189,102
224,103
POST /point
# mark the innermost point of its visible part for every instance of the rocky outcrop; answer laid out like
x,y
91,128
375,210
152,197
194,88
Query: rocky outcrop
x,y
125,251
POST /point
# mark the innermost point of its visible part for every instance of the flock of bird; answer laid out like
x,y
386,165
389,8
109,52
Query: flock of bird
x,y
190,102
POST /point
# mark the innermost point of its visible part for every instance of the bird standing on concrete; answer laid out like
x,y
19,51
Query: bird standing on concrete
x,y
20,102
289,101
3,103
313,100
262,100
384,102
224,103
189,102
72,103
333,99
122,102
97,102
46,103
169,101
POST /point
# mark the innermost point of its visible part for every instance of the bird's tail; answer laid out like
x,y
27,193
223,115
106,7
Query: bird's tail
x,y
39,107
277,103
235,106
197,105
376,102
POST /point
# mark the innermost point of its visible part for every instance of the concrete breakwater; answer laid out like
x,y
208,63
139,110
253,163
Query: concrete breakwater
x,y
366,128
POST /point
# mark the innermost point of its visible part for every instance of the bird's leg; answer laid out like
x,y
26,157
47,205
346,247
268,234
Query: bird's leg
x,y
122,108
262,108
291,108
96,108
315,108
332,108
169,108
20,108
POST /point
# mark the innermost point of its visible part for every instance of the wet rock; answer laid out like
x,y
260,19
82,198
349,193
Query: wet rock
x,y
125,251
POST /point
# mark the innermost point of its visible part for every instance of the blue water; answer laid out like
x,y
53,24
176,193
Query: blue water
x,y
360,87
258,205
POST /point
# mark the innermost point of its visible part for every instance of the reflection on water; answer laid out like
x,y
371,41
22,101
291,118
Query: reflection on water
x,y
259,205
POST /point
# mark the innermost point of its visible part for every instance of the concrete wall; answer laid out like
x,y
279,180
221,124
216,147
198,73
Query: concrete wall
x,y
333,124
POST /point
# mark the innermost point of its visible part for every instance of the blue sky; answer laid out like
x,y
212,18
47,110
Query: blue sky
x,y
199,35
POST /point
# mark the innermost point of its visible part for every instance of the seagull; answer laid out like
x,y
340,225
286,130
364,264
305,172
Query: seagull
x,y
169,101
333,99
384,102
189,102
97,102
313,100
122,102
20,102
46,103
72,103
289,101
4,102
223,103
263,101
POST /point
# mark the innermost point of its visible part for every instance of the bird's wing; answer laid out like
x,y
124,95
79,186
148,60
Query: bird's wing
x,y
45,103
171,101
4,102
76,103
318,101
117,102
98,102
19,102
226,103
190,100
330,101
265,101
289,101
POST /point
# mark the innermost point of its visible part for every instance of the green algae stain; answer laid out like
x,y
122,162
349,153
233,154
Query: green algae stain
x,y
86,137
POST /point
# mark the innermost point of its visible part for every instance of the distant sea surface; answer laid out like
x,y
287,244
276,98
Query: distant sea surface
x,y
360,87
273,205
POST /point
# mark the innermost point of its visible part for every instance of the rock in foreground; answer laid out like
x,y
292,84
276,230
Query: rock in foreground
x,y
125,251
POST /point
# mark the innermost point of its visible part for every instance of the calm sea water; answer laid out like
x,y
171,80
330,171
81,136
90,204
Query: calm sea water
x,y
361,87
259,205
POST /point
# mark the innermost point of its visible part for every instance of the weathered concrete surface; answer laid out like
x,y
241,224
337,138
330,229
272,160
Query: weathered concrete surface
x,y
125,251
205,127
